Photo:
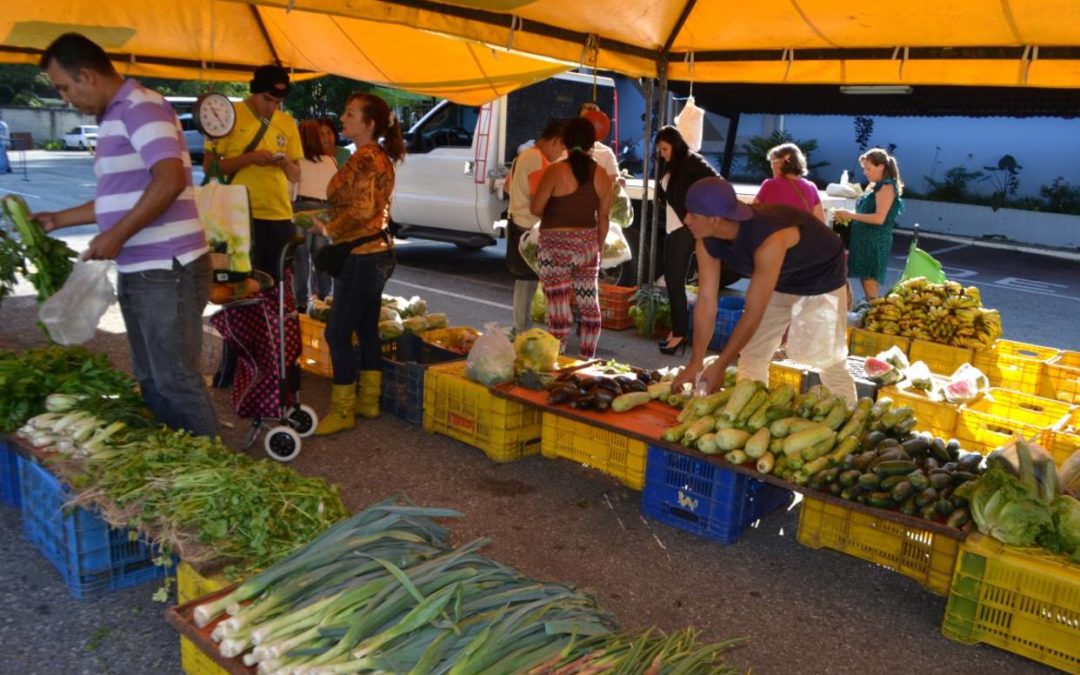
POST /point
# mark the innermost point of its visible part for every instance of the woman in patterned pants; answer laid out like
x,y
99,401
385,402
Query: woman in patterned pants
x,y
573,200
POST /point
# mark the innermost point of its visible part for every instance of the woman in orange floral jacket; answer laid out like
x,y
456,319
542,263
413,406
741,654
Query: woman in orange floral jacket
x,y
359,196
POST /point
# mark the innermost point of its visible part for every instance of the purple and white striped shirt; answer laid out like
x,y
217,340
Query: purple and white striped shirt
x,y
139,129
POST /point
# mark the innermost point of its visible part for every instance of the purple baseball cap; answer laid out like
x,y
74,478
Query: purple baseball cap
x,y
715,197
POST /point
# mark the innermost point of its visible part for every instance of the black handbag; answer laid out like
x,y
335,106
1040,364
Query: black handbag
x,y
331,259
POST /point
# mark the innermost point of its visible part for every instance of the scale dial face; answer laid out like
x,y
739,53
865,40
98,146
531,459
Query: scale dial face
x,y
214,115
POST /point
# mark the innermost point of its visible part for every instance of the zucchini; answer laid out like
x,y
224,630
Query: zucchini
x,y
740,396
778,412
699,428
782,395
819,449
758,444
660,390
781,427
732,439
766,463
759,399
776,446
838,414
822,407
630,401
844,447
708,404
736,457
818,465
801,440
707,444
674,434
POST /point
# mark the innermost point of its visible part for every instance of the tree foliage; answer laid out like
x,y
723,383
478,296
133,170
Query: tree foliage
x,y
756,163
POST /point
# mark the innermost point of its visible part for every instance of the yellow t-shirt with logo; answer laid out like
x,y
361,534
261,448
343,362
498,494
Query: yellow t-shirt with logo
x,y
268,187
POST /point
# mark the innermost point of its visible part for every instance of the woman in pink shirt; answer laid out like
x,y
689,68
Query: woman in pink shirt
x,y
787,186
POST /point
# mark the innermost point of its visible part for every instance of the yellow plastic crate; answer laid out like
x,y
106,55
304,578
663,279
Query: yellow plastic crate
x,y
869,343
191,585
1061,378
457,407
992,420
941,359
1063,442
1015,365
1025,601
314,352
787,372
613,453
938,417
923,555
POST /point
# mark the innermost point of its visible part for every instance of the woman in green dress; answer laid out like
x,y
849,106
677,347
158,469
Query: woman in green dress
x,y
872,222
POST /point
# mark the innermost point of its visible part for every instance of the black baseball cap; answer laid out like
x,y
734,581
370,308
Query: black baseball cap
x,y
272,80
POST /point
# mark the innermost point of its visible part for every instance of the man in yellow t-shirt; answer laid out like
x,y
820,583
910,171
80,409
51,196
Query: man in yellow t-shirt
x,y
265,169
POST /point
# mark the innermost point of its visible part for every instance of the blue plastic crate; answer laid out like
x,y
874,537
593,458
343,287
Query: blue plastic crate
x,y
705,499
403,390
9,475
729,310
92,557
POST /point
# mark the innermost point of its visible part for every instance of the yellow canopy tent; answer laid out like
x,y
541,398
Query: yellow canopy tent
x,y
917,42
224,41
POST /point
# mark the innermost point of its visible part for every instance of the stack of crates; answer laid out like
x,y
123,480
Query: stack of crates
x,y
1015,365
1065,438
941,359
1061,378
92,557
457,407
403,376
994,419
1026,601
868,343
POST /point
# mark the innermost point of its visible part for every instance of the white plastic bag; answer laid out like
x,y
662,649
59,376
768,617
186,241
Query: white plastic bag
x,y
616,249
966,384
529,246
690,122
72,314
491,359
816,335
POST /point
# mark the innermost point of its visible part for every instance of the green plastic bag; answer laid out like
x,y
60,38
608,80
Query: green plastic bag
x,y
921,264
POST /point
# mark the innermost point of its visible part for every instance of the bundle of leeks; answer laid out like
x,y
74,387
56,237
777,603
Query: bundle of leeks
x,y
380,592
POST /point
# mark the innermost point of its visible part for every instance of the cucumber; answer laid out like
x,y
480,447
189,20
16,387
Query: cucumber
x,y
944,507
909,507
938,451
901,491
939,480
880,500
894,467
926,497
872,439
832,474
888,482
869,481
849,477
851,492
863,461
918,480
916,447
958,518
835,489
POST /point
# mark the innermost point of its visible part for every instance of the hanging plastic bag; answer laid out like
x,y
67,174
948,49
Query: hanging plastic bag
x,y
616,249
690,122
72,314
529,246
538,307
622,208
817,333
921,264
536,350
491,360
225,211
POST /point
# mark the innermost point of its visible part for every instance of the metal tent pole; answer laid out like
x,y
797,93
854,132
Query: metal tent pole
x,y
646,207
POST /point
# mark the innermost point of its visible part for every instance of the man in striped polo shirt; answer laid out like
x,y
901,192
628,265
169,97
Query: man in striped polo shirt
x,y
147,222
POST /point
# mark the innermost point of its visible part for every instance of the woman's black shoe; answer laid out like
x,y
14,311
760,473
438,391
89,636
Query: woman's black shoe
x,y
679,346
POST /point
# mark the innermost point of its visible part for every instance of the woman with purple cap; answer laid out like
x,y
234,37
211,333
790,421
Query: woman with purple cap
x,y
797,278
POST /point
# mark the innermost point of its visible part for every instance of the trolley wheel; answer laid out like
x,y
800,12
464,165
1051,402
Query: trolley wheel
x,y
282,444
303,419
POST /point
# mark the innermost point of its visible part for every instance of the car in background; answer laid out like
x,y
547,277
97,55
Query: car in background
x,y
193,138
82,137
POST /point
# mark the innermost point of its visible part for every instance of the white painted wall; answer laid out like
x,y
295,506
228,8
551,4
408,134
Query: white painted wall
x,y
965,220
44,123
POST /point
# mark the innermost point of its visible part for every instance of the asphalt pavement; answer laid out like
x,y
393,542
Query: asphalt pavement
x,y
801,610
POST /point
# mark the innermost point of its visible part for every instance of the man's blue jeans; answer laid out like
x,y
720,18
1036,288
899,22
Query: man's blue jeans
x,y
163,313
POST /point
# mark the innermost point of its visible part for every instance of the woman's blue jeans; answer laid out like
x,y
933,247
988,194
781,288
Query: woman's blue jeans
x,y
357,302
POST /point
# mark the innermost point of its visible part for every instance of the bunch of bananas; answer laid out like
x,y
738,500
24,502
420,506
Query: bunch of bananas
x,y
945,313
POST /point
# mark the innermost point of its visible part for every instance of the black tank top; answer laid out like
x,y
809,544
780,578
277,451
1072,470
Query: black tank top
x,y
577,209
814,266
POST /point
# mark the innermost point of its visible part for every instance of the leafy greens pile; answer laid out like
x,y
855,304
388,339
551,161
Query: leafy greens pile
x,y
50,259
1023,505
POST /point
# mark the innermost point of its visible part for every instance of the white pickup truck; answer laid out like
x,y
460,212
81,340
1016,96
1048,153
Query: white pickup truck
x,y
448,187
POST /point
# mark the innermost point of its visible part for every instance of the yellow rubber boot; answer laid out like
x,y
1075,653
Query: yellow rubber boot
x,y
370,394
340,417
